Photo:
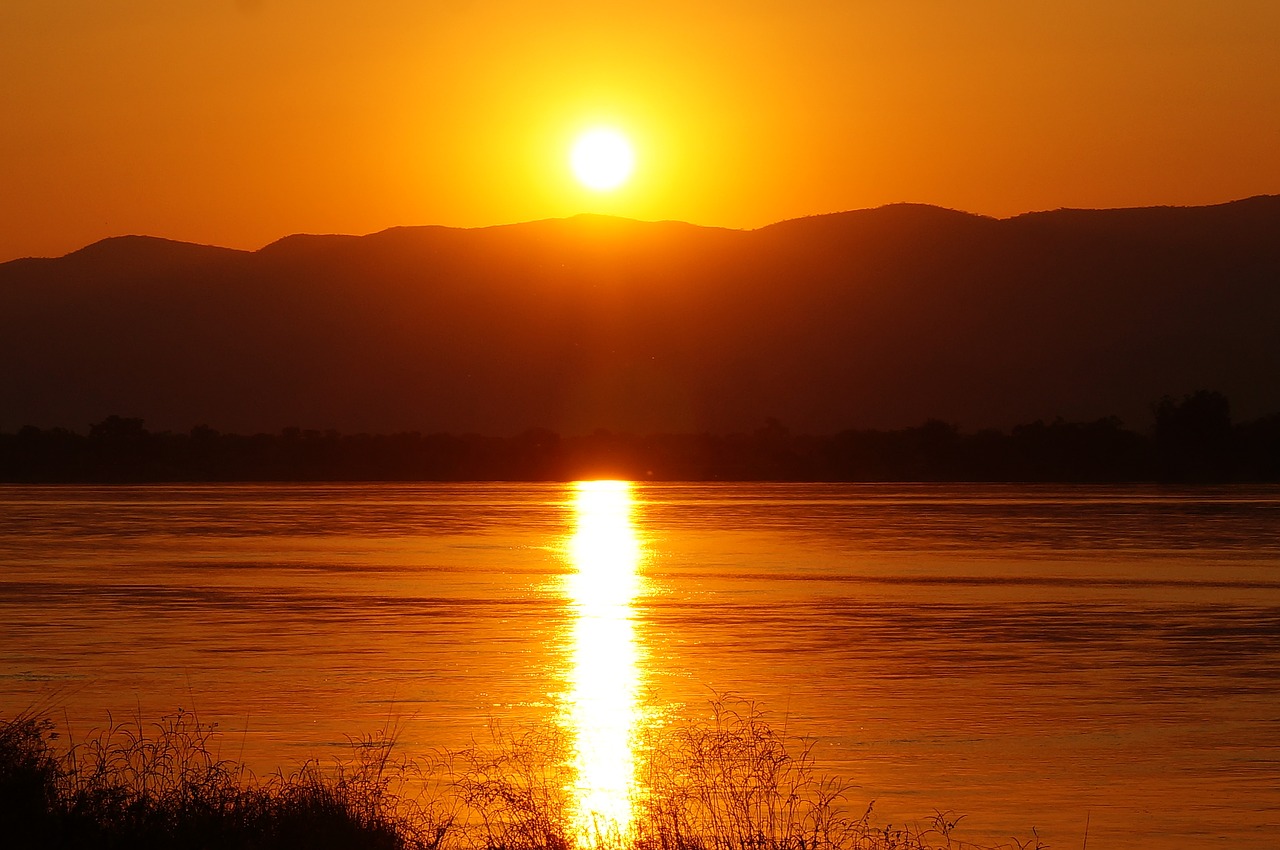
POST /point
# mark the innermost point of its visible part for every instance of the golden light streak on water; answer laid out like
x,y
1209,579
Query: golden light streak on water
x,y
603,711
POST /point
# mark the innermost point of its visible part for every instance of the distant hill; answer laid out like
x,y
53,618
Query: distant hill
x,y
871,318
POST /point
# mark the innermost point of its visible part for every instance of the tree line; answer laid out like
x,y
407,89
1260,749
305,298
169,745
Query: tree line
x,y
1193,440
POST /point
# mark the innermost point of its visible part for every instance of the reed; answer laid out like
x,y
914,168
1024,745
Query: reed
x,y
137,786
732,782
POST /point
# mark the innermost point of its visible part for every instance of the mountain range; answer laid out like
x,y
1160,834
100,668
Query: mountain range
x,y
874,318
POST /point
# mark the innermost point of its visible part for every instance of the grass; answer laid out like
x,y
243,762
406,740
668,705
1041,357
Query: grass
x,y
733,782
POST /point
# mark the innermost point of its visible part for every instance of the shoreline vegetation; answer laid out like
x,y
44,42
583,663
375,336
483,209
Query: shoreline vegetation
x,y
731,782
1193,440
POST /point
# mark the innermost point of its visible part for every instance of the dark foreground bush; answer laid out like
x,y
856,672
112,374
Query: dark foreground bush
x,y
733,783
135,787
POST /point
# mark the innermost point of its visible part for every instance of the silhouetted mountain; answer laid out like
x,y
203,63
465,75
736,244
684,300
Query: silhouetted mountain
x,y
870,319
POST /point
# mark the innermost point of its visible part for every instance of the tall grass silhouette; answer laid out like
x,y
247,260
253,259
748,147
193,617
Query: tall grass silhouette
x,y
160,785
731,782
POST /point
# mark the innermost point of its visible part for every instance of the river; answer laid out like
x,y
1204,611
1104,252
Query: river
x,y
1031,657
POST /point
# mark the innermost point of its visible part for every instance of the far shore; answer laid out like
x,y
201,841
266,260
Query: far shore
x,y
1193,441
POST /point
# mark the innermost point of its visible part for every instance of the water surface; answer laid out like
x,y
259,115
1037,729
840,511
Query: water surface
x,y
1029,656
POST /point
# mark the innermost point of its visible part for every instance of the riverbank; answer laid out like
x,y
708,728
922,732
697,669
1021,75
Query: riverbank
x,y
733,783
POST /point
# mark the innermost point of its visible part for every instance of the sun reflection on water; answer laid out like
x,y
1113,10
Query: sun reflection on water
x,y
602,708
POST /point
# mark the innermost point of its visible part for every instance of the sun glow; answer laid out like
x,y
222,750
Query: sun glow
x,y
602,706
602,159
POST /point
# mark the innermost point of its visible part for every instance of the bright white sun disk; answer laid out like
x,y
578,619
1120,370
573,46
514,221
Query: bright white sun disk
x,y
602,159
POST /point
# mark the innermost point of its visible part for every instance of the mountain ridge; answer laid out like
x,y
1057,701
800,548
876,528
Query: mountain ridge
x,y
865,318
838,214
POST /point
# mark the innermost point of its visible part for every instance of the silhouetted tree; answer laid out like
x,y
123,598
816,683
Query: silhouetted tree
x,y
123,450
118,431
1193,438
1258,449
935,446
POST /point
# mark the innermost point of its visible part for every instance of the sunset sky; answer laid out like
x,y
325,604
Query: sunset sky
x,y
236,122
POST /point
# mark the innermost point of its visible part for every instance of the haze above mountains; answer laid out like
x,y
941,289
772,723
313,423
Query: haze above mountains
x,y
873,318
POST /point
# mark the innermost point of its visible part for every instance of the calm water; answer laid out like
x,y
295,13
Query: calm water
x,y
1029,656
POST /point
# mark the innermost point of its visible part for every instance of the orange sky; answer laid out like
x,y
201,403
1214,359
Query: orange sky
x,y
236,122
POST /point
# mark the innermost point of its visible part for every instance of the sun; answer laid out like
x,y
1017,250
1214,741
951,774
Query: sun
x,y
602,159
